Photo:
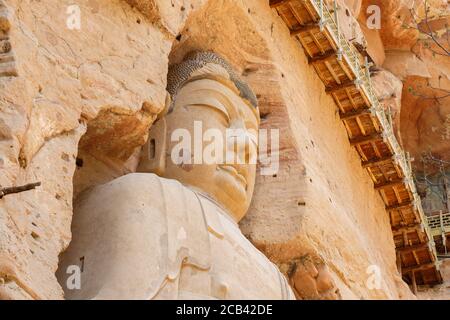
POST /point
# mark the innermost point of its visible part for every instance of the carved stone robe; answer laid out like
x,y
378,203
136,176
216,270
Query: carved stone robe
x,y
145,237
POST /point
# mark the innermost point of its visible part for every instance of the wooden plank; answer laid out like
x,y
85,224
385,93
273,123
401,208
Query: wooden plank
x,y
400,206
361,127
340,86
416,257
350,98
405,238
389,184
346,70
377,162
409,249
384,196
397,194
304,28
421,267
354,114
365,139
402,216
319,46
361,152
322,57
407,228
277,3
333,73
377,152
310,11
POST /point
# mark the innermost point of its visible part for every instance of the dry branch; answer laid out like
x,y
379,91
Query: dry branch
x,y
12,190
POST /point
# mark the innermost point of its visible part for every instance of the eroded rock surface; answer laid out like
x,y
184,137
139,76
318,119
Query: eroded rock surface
x,y
79,103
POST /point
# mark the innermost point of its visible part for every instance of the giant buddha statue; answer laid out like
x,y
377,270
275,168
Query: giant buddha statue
x,y
171,231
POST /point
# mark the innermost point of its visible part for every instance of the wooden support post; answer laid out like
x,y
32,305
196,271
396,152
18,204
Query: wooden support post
x,y
304,28
389,184
405,238
399,262
341,86
414,283
277,3
377,162
365,139
323,57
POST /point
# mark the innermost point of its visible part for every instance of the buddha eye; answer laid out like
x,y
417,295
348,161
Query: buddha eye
x,y
216,107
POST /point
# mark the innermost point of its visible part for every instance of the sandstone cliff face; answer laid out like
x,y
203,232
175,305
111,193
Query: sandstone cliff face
x,y
106,78
83,100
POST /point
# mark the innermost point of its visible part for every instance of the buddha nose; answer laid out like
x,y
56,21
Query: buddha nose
x,y
239,142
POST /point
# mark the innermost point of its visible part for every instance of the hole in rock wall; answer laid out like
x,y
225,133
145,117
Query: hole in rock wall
x,y
109,149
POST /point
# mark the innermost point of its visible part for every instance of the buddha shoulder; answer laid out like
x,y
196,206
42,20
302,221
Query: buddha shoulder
x,y
137,189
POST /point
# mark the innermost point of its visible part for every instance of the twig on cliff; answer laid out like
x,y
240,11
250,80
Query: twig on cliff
x,y
429,33
12,190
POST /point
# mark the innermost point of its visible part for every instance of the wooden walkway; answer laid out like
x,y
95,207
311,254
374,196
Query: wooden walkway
x,y
440,229
346,76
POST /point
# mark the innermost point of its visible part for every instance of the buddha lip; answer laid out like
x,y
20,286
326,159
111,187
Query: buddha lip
x,y
232,170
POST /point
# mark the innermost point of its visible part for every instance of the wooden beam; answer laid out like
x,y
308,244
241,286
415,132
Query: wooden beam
x,y
341,86
399,262
400,206
277,3
322,57
414,283
409,249
407,228
354,114
410,229
421,267
366,139
377,162
304,28
389,184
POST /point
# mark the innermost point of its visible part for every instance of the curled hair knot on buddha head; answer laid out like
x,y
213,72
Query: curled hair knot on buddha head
x,y
192,66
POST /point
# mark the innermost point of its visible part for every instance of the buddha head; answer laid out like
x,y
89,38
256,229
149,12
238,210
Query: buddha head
x,y
208,137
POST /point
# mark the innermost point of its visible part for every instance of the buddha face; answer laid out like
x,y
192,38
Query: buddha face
x,y
208,113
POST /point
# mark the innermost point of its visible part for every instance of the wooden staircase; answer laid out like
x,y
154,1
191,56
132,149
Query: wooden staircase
x,y
346,76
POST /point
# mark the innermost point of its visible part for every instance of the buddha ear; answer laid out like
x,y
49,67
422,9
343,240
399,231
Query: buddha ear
x,y
153,155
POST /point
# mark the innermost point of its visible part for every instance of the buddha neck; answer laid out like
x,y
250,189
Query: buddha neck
x,y
206,196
